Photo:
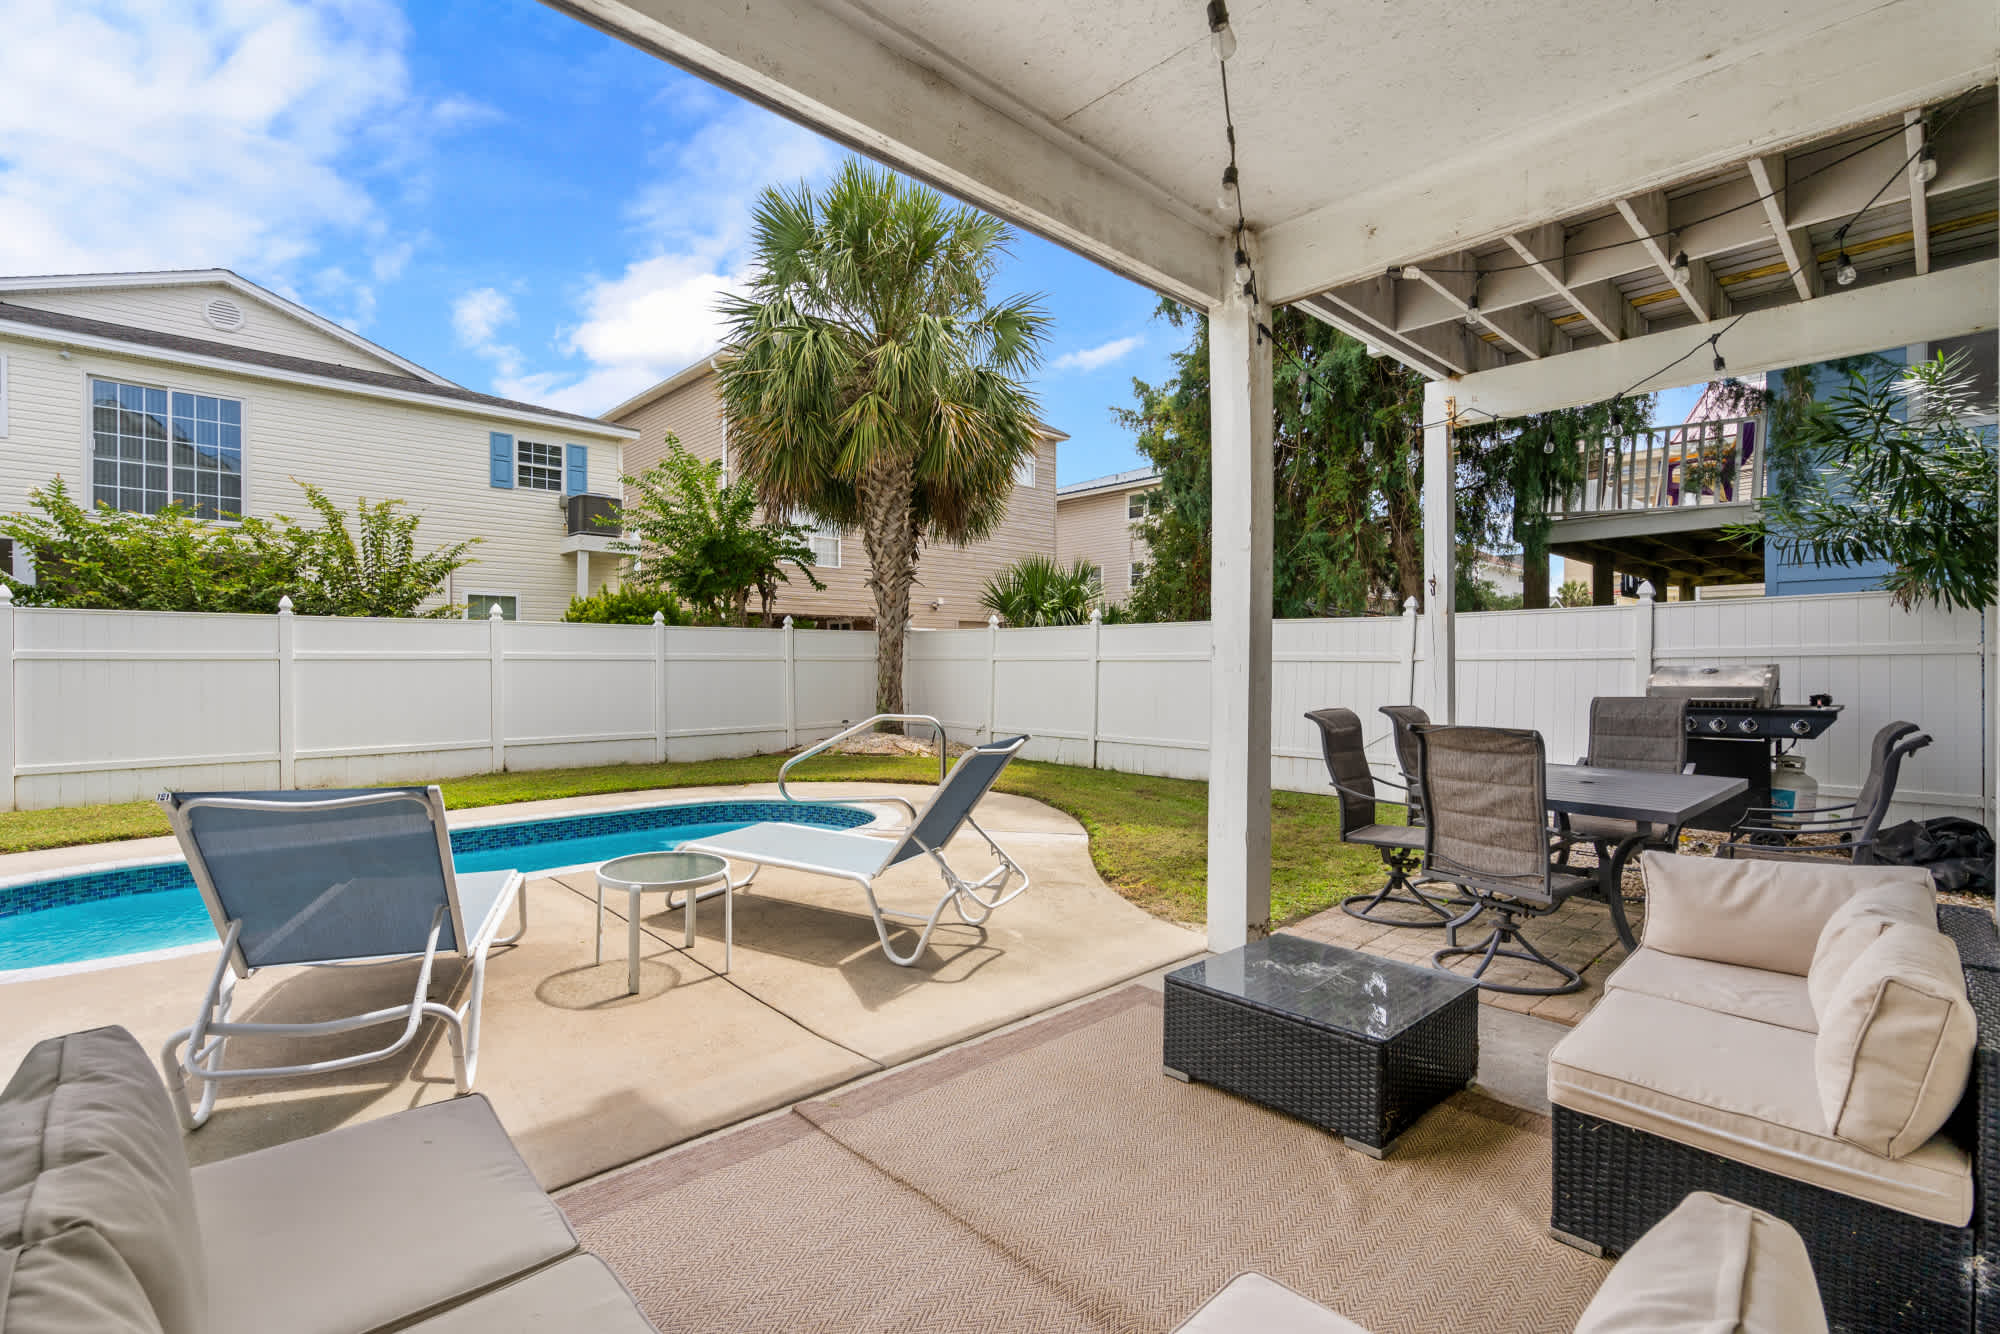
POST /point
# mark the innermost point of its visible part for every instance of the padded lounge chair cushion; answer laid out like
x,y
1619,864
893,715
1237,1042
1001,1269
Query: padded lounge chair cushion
x,y
373,1223
96,1202
1744,1091
1895,1045
580,1293
1253,1302
1856,925
1710,1265
1758,914
1749,993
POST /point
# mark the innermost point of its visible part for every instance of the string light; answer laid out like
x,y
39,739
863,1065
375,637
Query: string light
x,y
1231,198
1472,309
1683,271
1845,272
1927,168
1243,272
1220,34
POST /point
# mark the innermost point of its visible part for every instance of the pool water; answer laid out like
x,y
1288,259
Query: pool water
x,y
129,910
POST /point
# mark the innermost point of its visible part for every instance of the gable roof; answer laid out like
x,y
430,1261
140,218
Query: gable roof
x,y
1117,481
53,326
74,282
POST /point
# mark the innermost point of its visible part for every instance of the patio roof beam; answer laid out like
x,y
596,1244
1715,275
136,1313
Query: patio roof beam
x,y
1767,175
1458,281
1920,220
1601,304
838,71
1367,310
1647,216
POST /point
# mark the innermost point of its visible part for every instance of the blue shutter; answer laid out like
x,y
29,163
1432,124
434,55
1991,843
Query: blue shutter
x,y
502,454
576,472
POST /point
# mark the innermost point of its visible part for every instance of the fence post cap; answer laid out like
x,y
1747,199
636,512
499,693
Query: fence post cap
x,y
285,605
6,596
993,621
788,622
1097,615
493,613
659,618
1646,590
1410,605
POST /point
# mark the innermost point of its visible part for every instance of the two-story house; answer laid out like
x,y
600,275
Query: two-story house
x,y
949,578
201,389
1098,521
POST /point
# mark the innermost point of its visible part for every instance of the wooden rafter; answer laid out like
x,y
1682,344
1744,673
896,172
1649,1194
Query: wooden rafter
x,y
1647,216
1600,303
1920,212
1768,175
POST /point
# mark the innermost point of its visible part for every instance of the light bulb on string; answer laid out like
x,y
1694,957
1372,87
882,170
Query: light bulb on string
x,y
1220,34
1845,273
1683,271
1228,196
1927,168
1549,445
1472,311
1242,268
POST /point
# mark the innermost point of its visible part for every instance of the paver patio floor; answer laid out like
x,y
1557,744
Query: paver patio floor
x,y
586,1077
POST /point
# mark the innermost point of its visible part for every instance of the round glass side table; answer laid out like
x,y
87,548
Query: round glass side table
x,y
663,872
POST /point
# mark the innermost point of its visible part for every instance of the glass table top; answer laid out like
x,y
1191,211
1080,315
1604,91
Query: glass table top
x,y
1357,993
662,870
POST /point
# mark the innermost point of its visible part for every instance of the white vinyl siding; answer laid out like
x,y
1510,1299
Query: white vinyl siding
x,y
3,396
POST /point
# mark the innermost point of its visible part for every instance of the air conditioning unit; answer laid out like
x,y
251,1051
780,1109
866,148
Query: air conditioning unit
x,y
588,515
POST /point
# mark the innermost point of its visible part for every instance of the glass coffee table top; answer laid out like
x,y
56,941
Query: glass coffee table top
x,y
661,870
1336,988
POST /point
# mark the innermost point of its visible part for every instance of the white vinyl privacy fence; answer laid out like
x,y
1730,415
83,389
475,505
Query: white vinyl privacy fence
x,y
114,705
1135,697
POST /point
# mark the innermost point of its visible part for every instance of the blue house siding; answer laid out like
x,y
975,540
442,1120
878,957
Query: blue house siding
x,y
1783,577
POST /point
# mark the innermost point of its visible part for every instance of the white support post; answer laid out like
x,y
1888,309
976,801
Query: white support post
x,y
583,574
659,688
497,711
791,688
1440,554
992,673
1239,742
1642,637
288,708
7,799
1096,676
1411,629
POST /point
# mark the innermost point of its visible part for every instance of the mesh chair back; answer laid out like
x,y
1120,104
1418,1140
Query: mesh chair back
x,y
1871,804
321,875
963,788
1485,795
1405,717
1340,740
1638,733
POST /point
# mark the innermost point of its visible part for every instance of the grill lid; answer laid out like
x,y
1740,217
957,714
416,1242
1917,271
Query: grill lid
x,y
1756,682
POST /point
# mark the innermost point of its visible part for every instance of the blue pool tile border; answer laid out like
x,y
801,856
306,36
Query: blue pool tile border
x,y
117,882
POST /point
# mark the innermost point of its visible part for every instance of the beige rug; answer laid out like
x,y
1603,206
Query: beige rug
x,y
1053,1179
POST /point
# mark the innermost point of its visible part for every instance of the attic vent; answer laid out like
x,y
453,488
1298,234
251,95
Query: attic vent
x,y
223,313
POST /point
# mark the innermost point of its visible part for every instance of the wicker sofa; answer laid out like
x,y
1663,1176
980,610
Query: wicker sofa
x,y
424,1221
1704,1069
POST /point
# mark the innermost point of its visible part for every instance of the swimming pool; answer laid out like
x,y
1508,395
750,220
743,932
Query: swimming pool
x,y
155,906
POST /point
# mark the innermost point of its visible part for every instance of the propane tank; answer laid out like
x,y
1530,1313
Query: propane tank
x,y
1792,788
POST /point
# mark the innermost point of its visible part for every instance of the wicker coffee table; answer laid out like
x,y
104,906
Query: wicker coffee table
x,y
1358,1045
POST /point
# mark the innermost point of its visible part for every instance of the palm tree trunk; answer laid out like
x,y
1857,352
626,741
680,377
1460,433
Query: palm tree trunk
x,y
886,492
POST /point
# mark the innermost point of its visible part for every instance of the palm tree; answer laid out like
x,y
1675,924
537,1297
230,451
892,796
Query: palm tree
x,y
1036,590
868,381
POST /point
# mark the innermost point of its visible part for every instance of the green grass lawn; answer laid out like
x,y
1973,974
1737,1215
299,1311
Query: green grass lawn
x,y
1148,836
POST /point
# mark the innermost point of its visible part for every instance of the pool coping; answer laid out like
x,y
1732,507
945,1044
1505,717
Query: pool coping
x,y
165,850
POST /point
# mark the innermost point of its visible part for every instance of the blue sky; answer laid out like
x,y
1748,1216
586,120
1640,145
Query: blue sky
x,y
487,187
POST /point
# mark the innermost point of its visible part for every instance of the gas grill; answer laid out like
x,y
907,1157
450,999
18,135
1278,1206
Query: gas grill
x,y
1736,725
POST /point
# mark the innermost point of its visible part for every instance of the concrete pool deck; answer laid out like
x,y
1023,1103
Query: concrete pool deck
x,y
586,1077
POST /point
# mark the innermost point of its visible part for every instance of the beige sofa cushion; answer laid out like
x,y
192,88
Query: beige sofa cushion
x,y
95,1194
1895,1048
580,1293
1856,924
72,1283
1253,1302
1744,1091
1749,993
1761,914
432,1205
1711,1265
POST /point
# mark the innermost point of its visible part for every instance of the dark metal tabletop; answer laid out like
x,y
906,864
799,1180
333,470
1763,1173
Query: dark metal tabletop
x,y
1637,794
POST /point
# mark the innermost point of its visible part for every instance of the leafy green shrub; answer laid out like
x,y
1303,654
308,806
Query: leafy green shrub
x,y
1036,590
630,604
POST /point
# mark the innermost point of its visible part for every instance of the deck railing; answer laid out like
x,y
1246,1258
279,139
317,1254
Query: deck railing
x,y
1667,467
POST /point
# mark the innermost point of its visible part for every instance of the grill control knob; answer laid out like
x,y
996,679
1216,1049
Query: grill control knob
x,y
1693,725
1800,727
1718,724
1747,726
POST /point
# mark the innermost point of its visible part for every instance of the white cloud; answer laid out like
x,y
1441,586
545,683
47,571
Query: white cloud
x,y
137,136
479,314
1096,358
692,228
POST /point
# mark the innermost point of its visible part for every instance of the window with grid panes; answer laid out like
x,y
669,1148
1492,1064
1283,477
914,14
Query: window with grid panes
x,y
152,447
538,467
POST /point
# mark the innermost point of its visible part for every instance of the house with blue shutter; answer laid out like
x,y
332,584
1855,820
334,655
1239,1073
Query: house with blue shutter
x,y
202,389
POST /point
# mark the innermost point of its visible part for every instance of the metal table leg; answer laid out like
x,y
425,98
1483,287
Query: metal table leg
x,y
632,936
600,922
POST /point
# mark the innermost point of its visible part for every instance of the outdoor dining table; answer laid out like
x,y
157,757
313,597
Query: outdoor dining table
x,y
1646,796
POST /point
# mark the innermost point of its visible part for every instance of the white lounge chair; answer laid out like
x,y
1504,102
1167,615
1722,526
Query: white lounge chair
x,y
326,878
862,858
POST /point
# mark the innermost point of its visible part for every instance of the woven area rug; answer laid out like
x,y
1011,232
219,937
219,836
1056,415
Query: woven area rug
x,y
1053,1179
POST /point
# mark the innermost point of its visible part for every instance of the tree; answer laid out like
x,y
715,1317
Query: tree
x,y
1037,590
868,380
1574,593
1901,478
703,540
170,561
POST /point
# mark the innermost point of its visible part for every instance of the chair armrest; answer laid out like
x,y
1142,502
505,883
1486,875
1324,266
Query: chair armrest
x,y
1976,1124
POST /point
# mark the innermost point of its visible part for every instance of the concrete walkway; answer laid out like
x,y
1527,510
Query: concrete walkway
x,y
585,1076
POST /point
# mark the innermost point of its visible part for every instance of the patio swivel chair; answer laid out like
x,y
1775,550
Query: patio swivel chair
x,y
1400,846
1629,732
861,859
1770,833
324,878
1486,830
1403,717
